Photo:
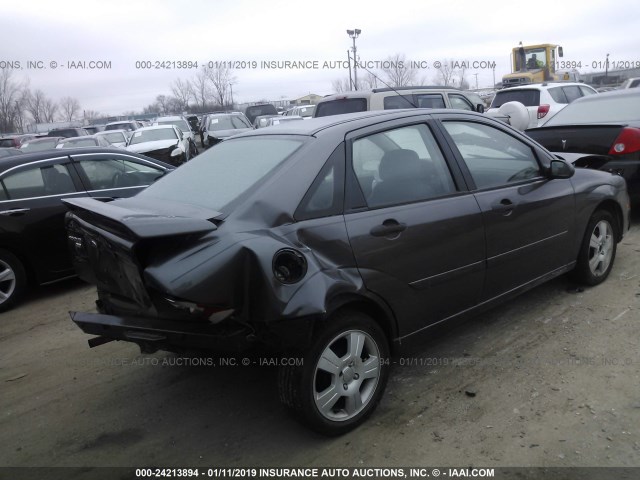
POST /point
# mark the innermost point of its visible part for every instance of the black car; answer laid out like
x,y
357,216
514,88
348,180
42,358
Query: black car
x,y
220,126
254,111
599,131
339,240
32,239
68,132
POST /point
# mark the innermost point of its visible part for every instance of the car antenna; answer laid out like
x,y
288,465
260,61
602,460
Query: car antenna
x,y
389,86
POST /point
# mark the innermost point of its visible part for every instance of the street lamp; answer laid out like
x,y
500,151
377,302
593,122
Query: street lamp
x,y
354,34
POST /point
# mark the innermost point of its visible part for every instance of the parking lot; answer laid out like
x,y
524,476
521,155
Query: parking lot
x,y
548,379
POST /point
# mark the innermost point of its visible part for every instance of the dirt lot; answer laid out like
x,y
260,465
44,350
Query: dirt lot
x,y
549,379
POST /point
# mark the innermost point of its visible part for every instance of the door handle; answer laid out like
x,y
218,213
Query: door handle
x,y
388,227
16,212
504,206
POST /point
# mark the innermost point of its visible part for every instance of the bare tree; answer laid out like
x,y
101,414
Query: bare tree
x,y
200,88
182,93
11,102
49,109
92,115
70,108
220,79
340,85
161,100
462,81
368,81
174,105
34,105
398,72
445,75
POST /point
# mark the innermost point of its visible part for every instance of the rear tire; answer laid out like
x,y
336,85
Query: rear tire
x,y
13,279
343,375
598,250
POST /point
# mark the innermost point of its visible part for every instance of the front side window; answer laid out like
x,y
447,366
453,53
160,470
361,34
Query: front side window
x,y
400,166
430,100
493,157
460,102
38,182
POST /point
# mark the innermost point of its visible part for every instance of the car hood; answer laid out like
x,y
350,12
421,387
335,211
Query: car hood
x,y
151,146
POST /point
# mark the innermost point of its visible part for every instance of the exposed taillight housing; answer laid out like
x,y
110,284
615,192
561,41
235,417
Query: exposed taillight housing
x,y
543,110
628,141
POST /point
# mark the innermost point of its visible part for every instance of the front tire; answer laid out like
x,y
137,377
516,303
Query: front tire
x,y
598,249
13,279
343,375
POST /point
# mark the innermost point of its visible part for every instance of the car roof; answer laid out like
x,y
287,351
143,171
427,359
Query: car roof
x,y
155,127
170,118
107,132
120,121
540,86
29,157
628,92
313,126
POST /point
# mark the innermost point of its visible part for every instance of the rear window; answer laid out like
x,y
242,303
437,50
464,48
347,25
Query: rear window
x,y
257,110
529,98
80,142
599,109
7,142
223,173
343,105
558,95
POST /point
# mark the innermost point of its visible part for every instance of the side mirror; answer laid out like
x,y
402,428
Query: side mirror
x,y
560,169
560,51
480,108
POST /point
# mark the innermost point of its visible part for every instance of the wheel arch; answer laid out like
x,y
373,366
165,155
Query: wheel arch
x,y
615,210
373,306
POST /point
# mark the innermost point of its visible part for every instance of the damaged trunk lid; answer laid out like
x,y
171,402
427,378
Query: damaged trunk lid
x,y
110,242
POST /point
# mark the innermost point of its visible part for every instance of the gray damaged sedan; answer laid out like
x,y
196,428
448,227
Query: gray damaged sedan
x,y
340,240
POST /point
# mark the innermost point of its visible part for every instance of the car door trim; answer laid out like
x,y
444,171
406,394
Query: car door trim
x,y
505,256
446,276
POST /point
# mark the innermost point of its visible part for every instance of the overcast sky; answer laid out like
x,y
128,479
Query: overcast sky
x,y
123,32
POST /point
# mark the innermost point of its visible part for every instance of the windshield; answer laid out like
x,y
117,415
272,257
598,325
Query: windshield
x,y
79,142
115,137
153,135
220,175
119,126
39,145
599,109
226,123
181,124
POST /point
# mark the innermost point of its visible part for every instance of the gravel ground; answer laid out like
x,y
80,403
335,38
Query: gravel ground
x,y
549,379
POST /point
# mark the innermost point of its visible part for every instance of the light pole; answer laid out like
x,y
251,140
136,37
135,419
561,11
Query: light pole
x,y
476,80
606,67
354,34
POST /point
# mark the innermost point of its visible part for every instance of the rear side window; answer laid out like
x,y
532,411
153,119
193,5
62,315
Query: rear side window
x,y
39,182
572,93
398,101
529,98
558,95
343,105
430,100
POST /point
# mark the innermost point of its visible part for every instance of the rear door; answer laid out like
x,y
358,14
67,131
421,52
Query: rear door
x,y
32,214
528,218
415,231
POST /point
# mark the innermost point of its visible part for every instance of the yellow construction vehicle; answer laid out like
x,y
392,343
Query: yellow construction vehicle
x,y
535,64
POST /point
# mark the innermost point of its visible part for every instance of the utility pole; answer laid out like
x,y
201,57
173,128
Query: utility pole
x,y
354,34
476,80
